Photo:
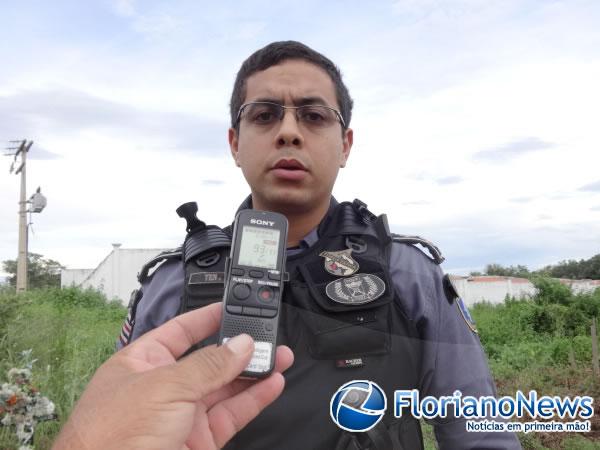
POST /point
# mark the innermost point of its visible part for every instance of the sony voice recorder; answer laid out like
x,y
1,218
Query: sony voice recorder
x,y
254,276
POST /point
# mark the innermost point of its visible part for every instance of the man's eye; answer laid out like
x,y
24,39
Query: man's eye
x,y
264,117
314,116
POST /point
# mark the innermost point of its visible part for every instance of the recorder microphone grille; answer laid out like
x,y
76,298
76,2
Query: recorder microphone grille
x,y
254,327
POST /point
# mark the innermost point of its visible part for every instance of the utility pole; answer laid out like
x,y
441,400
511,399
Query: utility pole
x,y
38,198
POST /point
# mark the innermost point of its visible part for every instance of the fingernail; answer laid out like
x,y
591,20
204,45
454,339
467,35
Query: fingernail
x,y
240,344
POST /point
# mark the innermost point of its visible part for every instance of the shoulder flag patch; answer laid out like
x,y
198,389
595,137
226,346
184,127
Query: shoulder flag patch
x,y
466,315
126,330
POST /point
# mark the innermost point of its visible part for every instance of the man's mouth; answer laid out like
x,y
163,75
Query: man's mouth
x,y
289,169
289,164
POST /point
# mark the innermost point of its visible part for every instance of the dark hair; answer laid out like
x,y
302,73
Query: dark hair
x,y
277,52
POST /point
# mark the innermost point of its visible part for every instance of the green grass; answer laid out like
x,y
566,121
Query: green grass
x,y
71,332
529,343
428,436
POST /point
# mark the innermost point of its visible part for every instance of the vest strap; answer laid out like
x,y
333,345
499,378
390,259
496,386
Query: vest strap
x,y
436,254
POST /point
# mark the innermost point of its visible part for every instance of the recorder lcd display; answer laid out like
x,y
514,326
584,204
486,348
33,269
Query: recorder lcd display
x,y
258,247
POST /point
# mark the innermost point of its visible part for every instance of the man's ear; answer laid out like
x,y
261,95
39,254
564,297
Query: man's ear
x,y
232,136
347,141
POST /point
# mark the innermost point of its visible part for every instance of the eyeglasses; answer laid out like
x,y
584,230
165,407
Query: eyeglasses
x,y
264,114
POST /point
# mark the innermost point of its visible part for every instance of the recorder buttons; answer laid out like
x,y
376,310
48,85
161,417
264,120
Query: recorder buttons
x,y
250,311
265,294
237,271
268,312
234,309
256,273
241,291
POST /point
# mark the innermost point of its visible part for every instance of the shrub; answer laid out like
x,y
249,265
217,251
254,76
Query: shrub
x,y
550,291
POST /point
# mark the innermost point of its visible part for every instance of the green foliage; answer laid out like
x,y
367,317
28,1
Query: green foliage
x,y
589,304
577,270
554,312
574,270
550,291
579,443
428,436
70,331
511,271
41,272
542,343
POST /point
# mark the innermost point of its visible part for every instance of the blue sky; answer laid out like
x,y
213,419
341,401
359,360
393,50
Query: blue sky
x,y
476,122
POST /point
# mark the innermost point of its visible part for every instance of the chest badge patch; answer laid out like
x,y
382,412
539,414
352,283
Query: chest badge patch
x,y
361,288
340,263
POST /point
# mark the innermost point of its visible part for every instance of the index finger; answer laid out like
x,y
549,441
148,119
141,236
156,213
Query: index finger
x,y
180,333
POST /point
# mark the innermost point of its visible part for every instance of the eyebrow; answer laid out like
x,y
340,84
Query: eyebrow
x,y
316,100
312,100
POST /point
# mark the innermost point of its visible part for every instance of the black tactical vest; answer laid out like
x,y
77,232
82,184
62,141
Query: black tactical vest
x,y
333,342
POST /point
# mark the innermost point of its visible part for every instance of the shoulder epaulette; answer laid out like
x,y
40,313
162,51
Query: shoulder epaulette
x,y
144,274
436,254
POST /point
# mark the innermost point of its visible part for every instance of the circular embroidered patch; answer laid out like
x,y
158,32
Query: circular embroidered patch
x,y
360,289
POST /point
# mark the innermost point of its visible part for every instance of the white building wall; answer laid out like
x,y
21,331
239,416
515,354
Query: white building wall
x,y
584,285
116,275
73,277
522,290
493,292
495,289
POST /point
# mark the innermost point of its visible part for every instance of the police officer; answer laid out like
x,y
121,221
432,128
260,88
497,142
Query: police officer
x,y
361,302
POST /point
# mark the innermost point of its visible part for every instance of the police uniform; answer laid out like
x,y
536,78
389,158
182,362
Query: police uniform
x,y
360,303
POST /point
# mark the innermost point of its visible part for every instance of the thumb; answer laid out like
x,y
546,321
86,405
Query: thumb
x,y
208,369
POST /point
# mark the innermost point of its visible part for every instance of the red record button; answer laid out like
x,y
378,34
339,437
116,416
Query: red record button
x,y
265,294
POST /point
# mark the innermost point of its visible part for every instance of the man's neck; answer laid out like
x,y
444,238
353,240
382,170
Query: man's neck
x,y
301,222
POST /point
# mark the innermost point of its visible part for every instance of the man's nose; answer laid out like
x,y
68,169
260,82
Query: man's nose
x,y
289,132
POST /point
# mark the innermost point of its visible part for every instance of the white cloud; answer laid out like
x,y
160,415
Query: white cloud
x,y
125,8
513,149
139,119
157,26
591,187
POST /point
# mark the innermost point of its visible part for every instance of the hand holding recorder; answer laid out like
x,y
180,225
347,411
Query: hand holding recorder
x,y
142,397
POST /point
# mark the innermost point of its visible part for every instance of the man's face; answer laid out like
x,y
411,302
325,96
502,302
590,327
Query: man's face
x,y
290,167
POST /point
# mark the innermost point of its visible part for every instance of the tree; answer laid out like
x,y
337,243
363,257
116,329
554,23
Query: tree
x,y
510,271
41,272
573,269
